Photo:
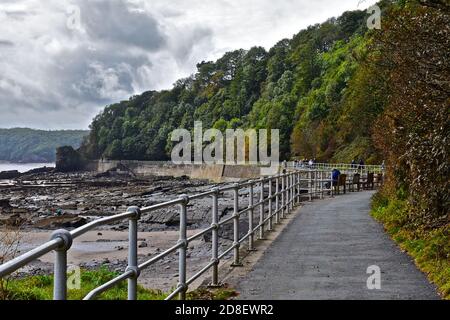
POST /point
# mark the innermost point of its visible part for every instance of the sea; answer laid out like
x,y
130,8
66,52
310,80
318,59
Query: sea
x,y
23,167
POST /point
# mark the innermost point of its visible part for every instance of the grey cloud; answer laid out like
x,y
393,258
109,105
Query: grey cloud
x,y
98,75
52,77
19,15
115,21
6,43
185,44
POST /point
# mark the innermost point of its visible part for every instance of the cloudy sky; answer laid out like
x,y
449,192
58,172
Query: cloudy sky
x,y
62,61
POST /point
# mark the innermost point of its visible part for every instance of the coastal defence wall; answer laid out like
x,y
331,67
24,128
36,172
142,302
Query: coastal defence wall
x,y
217,172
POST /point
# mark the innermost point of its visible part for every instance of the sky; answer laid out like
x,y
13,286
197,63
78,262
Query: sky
x,y
62,61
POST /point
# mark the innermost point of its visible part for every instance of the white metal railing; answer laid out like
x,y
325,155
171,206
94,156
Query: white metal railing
x,y
340,166
285,191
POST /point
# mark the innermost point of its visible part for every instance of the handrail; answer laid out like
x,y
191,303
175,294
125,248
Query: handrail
x,y
290,187
91,225
17,263
344,166
108,285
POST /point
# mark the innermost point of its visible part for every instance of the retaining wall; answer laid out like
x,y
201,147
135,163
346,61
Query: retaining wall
x,y
215,173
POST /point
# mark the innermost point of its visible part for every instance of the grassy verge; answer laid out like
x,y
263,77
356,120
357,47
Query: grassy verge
x,y
430,249
41,288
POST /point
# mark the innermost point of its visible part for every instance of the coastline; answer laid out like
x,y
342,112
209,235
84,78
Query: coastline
x,y
23,167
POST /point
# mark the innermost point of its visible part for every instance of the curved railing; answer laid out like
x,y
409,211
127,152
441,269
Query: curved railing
x,y
284,191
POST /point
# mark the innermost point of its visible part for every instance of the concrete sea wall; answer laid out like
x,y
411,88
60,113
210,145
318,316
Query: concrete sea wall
x,y
217,172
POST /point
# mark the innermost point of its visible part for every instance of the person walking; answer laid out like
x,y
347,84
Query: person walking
x,y
361,163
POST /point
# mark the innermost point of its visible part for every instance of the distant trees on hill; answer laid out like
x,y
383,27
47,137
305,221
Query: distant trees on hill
x,y
28,145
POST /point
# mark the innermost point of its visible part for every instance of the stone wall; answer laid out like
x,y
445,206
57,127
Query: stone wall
x,y
216,173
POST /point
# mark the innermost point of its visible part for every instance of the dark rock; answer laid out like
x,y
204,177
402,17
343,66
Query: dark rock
x,y
76,223
12,174
64,221
143,244
13,220
226,231
4,204
69,160
40,170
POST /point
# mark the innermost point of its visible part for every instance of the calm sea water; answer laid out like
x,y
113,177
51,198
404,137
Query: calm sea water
x,y
23,167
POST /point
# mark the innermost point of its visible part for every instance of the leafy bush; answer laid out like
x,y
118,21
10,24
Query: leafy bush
x,y
413,132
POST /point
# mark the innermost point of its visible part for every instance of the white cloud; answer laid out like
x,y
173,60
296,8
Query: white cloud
x,y
53,76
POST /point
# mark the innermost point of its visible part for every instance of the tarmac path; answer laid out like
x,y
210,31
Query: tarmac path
x,y
325,253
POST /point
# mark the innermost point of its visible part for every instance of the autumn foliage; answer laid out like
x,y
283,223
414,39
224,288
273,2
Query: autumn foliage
x,y
413,131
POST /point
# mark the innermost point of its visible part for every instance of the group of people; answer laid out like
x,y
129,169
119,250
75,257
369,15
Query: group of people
x,y
305,163
356,165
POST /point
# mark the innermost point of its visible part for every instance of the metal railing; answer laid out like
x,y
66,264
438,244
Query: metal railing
x,y
284,192
340,166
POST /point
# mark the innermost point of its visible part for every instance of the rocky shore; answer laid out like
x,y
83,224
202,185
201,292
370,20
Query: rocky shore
x,y
42,201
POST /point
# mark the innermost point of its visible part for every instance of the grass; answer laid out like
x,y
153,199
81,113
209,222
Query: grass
x,y
41,288
430,249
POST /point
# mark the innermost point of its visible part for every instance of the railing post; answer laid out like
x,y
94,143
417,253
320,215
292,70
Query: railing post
x,y
277,199
298,187
321,184
132,252
316,188
294,188
261,210
236,243
291,192
294,198
251,236
215,238
60,267
283,195
310,184
288,193
331,184
183,248
270,204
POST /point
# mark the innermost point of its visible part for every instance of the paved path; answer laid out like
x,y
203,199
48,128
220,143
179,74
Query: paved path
x,y
325,252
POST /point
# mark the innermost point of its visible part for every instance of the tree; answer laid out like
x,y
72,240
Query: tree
x,y
413,132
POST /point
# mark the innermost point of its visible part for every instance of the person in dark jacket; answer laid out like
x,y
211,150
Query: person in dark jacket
x,y
361,164
335,177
